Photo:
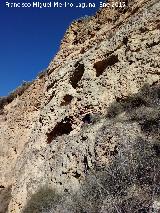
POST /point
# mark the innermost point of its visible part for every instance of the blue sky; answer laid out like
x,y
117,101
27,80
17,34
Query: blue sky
x,y
29,38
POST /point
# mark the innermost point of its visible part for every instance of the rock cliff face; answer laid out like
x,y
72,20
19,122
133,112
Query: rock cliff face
x,y
85,135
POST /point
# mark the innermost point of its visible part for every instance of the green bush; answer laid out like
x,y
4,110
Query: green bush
x,y
43,200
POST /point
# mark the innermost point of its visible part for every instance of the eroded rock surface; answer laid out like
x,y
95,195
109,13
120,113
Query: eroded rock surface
x,y
95,109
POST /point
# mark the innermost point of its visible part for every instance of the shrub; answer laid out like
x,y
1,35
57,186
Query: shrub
x,y
130,183
43,200
18,92
5,197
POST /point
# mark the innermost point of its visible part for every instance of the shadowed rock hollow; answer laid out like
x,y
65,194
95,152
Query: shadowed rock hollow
x,y
85,135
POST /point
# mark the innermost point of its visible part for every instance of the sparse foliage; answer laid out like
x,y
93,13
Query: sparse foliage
x,y
18,92
130,182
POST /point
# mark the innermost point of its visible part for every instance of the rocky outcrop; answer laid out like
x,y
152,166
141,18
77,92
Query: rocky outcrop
x,y
85,134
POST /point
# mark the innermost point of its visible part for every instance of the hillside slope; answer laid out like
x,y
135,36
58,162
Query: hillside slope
x,y
85,135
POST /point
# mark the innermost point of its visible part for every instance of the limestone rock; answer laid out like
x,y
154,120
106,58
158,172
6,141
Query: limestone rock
x,y
88,127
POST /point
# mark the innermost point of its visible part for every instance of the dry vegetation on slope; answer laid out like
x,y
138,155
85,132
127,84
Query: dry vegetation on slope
x,y
85,136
